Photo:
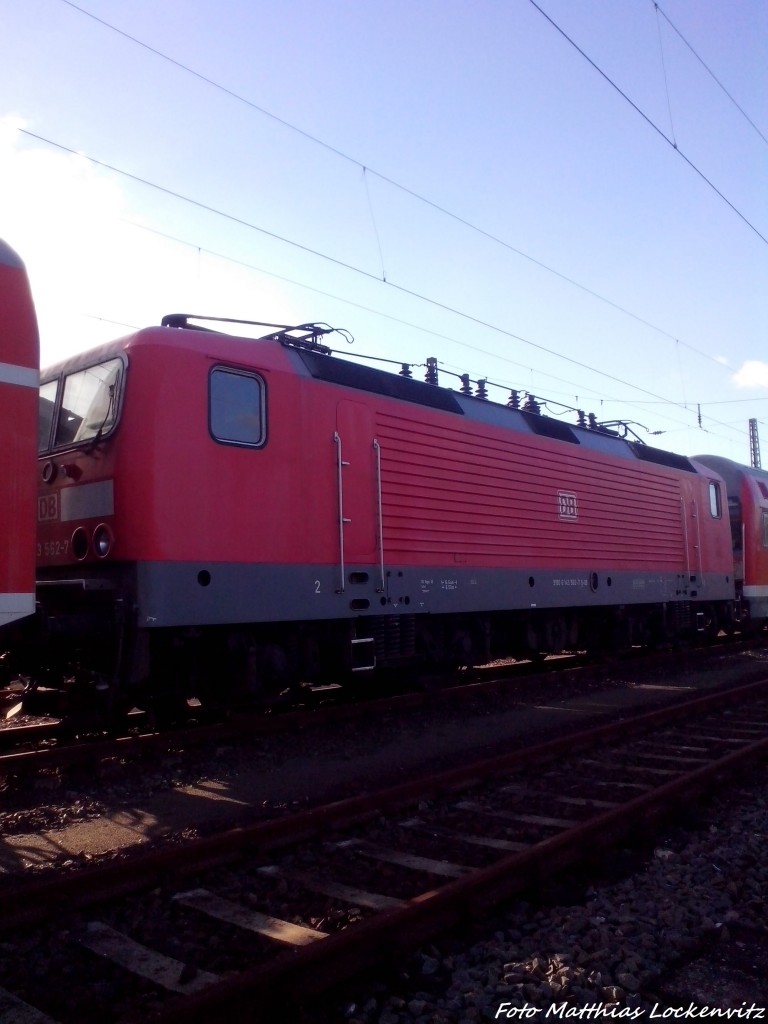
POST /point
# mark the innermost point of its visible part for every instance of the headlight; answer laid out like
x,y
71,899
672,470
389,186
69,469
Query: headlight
x,y
80,544
102,540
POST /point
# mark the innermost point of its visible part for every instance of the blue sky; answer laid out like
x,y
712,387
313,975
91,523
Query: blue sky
x,y
439,178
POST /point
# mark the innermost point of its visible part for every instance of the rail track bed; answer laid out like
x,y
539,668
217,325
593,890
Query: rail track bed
x,y
246,925
69,805
31,741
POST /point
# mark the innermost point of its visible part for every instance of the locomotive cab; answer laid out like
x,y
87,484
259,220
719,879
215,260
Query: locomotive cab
x,y
155,532
80,607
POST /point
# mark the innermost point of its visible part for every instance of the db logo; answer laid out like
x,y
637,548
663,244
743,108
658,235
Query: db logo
x,y
47,508
567,505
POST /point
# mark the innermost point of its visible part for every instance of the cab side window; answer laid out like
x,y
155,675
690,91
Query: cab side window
x,y
83,407
715,503
237,407
48,393
89,403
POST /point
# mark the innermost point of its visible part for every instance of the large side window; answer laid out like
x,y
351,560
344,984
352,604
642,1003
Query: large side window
x,y
715,502
765,528
237,407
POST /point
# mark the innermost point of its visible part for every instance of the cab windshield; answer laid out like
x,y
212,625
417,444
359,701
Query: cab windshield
x,y
81,406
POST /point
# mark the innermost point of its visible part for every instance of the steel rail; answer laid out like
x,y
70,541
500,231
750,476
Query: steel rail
x,y
29,733
27,903
314,969
245,725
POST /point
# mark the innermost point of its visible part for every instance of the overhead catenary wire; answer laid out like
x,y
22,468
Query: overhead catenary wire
x,y
665,401
648,120
684,405
401,321
664,73
368,171
710,72
469,317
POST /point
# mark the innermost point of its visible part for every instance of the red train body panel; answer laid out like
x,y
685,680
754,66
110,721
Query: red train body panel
x,y
455,491
205,480
19,361
215,507
747,490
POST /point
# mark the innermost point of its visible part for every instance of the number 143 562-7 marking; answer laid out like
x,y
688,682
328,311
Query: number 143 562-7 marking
x,y
51,548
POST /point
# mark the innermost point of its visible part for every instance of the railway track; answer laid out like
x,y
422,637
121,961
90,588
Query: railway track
x,y
196,933
42,734
47,744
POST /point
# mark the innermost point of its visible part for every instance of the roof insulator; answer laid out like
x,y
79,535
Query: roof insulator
x,y
513,402
465,386
431,375
405,370
482,390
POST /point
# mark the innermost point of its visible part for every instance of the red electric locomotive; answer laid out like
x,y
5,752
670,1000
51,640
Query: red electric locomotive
x,y
19,378
265,511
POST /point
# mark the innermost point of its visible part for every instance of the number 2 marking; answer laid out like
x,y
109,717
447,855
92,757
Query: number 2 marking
x,y
317,586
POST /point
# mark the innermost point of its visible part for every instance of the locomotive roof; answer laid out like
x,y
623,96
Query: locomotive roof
x,y
307,356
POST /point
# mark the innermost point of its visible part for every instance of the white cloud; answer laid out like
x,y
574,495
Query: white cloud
x,y
752,374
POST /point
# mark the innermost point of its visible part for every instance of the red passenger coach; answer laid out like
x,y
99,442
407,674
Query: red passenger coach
x,y
18,426
747,490
268,506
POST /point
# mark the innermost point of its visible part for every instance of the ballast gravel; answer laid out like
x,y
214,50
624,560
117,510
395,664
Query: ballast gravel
x,y
607,946
606,955
57,813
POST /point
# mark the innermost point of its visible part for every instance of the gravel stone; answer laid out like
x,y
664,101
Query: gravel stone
x,y
616,940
